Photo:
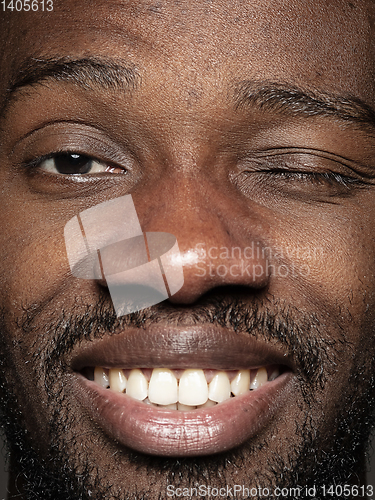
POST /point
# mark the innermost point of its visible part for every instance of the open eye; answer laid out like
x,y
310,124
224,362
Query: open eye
x,y
76,164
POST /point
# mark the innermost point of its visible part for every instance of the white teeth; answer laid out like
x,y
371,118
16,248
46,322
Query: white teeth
x,y
241,383
193,389
260,379
207,404
137,385
182,389
182,407
163,389
219,388
101,377
117,380
170,407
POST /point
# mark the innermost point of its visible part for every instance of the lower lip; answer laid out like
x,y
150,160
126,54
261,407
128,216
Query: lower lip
x,y
174,433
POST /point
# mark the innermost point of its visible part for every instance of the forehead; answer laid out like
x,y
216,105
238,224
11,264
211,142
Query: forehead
x,y
205,45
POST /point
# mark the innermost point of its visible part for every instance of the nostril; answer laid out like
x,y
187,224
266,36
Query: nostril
x,y
213,267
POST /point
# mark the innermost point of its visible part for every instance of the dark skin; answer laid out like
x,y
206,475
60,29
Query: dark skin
x,y
185,141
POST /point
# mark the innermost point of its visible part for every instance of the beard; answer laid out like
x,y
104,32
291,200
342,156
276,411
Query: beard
x,y
315,459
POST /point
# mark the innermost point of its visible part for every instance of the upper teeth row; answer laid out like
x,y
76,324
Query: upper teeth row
x,y
189,391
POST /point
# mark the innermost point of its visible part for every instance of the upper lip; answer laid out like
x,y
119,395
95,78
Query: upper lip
x,y
199,346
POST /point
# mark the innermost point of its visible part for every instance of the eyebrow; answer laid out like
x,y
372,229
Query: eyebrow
x,y
89,73
117,75
293,101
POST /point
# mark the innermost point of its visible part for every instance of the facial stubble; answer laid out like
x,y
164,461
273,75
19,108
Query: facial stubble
x,y
68,471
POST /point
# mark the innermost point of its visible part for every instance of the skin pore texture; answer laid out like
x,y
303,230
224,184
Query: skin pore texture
x,y
232,125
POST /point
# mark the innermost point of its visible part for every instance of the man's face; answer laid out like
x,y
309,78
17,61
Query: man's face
x,y
234,126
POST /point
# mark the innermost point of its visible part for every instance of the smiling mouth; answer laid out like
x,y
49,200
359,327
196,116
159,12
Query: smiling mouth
x,y
182,390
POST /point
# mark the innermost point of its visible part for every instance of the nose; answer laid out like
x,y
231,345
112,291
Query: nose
x,y
180,247
220,239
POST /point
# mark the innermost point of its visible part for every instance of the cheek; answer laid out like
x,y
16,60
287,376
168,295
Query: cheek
x,y
34,262
331,252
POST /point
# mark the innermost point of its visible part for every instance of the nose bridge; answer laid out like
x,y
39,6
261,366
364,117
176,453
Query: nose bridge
x,y
191,208
220,241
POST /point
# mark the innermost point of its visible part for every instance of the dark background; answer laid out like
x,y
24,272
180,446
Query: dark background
x,y
3,475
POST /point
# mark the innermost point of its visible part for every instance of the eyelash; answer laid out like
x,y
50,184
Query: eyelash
x,y
330,178
37,162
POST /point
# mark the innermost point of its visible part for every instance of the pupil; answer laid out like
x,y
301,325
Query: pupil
x,y
70,163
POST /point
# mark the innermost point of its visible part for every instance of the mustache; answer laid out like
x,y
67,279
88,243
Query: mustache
x,y
265,319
